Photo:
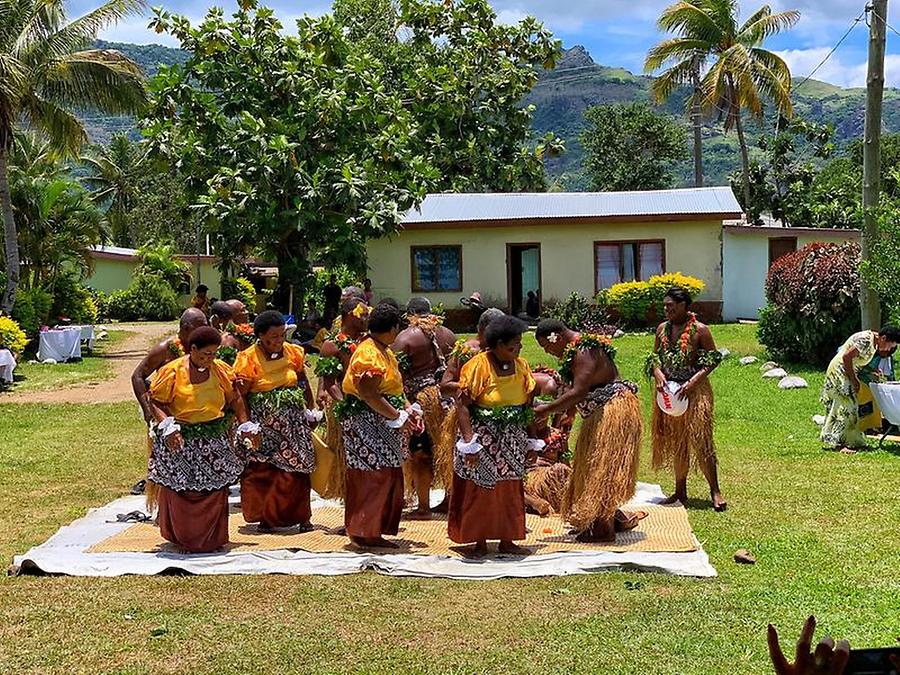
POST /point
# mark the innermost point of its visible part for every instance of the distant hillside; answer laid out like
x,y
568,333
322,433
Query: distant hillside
x,y
562,95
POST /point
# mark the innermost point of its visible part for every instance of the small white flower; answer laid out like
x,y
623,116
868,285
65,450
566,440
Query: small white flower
x,y
553,338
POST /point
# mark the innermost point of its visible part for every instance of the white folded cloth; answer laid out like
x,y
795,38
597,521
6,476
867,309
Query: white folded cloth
x,y
249,428
536,444
168,427
313,415
399,422
471,448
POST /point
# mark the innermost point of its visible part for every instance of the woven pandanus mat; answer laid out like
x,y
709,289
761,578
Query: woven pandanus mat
x,y
665,529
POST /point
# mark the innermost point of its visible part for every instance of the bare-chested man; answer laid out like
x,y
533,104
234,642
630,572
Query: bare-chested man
x,y
423,349
685,353
604,474
546,471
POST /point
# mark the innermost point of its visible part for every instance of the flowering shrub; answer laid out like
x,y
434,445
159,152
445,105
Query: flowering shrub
x,y
639,303
12,337
813,302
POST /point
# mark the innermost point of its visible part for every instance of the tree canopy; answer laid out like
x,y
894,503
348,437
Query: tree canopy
x,y
632,147
308,144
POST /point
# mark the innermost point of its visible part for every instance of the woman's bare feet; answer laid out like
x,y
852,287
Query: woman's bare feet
x,y
510,548
477,550
373,542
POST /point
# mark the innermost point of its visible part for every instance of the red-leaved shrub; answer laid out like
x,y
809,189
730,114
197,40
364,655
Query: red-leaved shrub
x,y
813,302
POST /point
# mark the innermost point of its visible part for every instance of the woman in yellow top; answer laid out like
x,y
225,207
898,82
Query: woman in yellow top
x,y
496,388
194,458
375,422
275,485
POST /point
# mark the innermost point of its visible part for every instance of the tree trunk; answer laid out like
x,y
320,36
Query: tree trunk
x,y
745,159
697,123
10,236
293,274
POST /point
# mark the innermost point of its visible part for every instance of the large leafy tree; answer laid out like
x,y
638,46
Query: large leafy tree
x,y
740,75
47,69
307,145
115,175
631,147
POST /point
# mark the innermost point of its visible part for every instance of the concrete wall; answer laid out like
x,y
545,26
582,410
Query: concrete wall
x,y
113,273
567,256
745,260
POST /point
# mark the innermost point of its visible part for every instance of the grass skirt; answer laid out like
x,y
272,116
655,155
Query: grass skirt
x,y
676,440
604,471
548,483
334,439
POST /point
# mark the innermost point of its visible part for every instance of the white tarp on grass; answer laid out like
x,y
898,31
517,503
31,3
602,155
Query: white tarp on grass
x,y
65,553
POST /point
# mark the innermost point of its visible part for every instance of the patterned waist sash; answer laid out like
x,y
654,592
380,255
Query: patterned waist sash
x,y
412,385
502,456
286,437
598,397
208,460
370,444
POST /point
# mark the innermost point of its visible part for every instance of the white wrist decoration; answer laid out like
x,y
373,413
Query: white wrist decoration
x,y
473,447
249,428
168,427
313,415
416,408
399,422
536,444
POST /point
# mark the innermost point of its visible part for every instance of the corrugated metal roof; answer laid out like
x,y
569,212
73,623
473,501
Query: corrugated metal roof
x,y
446,208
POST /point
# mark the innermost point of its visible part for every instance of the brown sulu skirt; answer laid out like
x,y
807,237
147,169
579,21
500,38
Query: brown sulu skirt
x,y
275,497
194,521
478,514
374,502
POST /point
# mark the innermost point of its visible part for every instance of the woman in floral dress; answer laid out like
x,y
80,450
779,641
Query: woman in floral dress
x,y
841,430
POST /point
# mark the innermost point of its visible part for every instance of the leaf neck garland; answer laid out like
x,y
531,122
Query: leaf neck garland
x,y
227,354
681,361
176,349
584,342
351,405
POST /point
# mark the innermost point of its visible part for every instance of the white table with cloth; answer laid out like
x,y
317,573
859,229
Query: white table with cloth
x,y
887,396
60,344
7,366
87,336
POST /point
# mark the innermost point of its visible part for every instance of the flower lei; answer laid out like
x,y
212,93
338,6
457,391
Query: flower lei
x,y
462,352
585,341
684,341
331,366
176,349
243,332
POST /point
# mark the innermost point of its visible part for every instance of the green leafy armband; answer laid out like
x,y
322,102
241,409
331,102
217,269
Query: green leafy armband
x,y
707,358
651,364
329,366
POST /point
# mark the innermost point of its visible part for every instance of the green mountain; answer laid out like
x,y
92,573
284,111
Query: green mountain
x,y
562,95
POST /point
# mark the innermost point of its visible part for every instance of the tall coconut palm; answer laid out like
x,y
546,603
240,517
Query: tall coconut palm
x,y
739,74
47,70
115,172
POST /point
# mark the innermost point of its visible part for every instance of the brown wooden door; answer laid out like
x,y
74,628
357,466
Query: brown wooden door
x,y
779,246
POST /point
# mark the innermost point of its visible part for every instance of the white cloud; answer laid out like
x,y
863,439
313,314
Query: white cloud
x,y
837,70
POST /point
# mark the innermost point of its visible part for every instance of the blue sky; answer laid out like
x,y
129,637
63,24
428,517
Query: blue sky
x,y
619,32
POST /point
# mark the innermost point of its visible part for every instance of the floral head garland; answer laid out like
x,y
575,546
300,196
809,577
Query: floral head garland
x,y
361,311
585,341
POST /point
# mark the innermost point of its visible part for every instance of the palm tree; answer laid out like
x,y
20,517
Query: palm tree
x,y
739,75
47,70
115,172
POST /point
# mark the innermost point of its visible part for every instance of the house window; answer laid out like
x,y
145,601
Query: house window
x,y
615,262
781,246
436,268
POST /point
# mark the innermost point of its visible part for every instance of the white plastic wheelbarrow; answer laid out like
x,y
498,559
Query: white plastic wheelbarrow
x,y
887,396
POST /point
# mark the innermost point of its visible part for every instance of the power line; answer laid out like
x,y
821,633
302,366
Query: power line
x,y
835,48
889,26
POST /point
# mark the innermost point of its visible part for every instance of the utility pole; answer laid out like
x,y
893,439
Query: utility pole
x,y
877,12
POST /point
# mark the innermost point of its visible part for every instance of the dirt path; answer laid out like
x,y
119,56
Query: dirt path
x,y
125,356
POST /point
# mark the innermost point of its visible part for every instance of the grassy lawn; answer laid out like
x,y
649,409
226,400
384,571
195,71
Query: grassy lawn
x,y
822,525
91,369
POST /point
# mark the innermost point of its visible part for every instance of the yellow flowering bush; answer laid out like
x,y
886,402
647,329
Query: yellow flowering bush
x,y
12,337
637,302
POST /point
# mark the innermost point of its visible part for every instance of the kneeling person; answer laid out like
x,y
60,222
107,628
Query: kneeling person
x,y
604,472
